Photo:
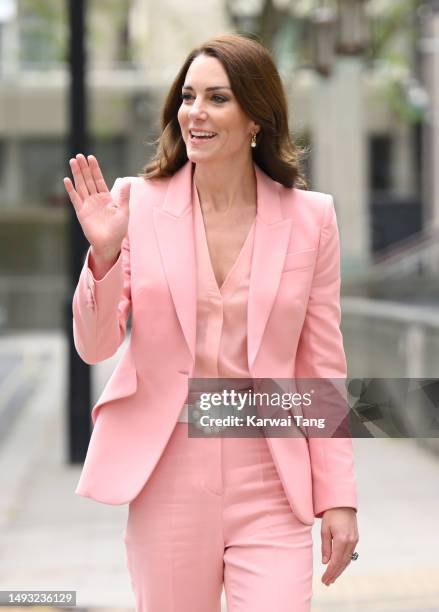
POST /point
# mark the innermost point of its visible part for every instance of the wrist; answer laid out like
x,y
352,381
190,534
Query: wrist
x,y
101,263
105,256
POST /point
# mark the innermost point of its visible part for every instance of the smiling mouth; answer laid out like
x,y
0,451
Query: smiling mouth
x,y
200,136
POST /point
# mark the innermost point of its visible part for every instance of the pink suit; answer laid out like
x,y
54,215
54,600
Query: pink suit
x,y
292,320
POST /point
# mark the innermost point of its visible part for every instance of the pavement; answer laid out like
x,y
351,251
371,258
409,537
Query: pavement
x,y
52,539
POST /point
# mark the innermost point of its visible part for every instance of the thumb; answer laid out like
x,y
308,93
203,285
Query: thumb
x,y
124,195
326,545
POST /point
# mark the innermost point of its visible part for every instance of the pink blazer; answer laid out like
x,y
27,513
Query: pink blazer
x,y
293,331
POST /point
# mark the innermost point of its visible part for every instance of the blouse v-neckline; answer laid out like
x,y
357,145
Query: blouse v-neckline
x,y
206,246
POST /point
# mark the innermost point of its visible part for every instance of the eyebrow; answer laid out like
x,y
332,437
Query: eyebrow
x,y
208,88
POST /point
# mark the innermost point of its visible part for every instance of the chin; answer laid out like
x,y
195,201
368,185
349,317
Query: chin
x,y
196,156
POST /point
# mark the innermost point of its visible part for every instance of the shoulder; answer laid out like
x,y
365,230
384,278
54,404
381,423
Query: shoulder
x,y
314,205
140,181
142,189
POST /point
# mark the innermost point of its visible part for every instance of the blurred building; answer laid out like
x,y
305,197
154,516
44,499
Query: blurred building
x,y
134,51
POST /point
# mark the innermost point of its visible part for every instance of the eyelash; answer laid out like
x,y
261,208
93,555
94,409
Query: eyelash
x,y
221,98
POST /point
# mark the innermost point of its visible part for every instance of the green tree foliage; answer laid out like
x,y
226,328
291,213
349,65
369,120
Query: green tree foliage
x,y
43,32
286,29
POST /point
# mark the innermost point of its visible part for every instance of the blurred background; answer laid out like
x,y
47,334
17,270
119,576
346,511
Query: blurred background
x,y
362,79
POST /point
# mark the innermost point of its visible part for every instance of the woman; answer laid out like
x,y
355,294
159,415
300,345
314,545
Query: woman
x,y
230,270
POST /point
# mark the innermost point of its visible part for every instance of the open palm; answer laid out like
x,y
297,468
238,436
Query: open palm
x,y
103,220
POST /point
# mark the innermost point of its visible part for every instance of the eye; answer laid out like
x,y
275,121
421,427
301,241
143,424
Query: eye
x,y
219,98
216,97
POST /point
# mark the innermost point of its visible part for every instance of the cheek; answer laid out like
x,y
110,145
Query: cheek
x,y
235,132
182,117
236,138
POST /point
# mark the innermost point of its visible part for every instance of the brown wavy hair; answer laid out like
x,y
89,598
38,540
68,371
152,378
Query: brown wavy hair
x,y
257,86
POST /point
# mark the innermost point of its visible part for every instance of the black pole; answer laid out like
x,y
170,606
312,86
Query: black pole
x,y
79,396
417,127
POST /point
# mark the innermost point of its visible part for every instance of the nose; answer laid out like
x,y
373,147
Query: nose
x,y
197,110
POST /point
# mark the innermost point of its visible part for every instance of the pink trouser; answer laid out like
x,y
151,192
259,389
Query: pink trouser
x,y
214,511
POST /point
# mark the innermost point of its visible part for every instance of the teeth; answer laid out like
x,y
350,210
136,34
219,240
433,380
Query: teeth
x,y
201,134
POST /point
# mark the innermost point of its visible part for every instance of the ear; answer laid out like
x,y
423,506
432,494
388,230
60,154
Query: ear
x,y
256,128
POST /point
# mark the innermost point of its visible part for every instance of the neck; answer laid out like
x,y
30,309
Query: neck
x,y
225,186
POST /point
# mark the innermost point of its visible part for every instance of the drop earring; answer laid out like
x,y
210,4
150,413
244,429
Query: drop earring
x,y
253,142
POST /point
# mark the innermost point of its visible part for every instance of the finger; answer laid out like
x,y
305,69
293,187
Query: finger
x,y
345,547
326,545
341,568
86,172
330,572
337,560
349,549
99,180
74,197
80,185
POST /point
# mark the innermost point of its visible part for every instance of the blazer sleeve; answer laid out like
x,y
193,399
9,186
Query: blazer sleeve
x,y
321,355
101,307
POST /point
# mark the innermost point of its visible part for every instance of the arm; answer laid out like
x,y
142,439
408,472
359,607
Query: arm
x,y
101,307
320,355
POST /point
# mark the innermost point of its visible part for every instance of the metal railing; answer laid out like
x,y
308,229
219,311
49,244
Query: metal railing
x,y
417,255
384,338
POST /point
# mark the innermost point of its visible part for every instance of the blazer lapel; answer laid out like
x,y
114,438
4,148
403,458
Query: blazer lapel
x,y
175,235
272,234
173,223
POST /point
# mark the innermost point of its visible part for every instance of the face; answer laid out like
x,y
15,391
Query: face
x,y
208,104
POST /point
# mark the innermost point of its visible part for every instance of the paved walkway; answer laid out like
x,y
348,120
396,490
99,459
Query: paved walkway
x,y
53,539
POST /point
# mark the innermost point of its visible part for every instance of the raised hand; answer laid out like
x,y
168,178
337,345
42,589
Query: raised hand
x,y
103,220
